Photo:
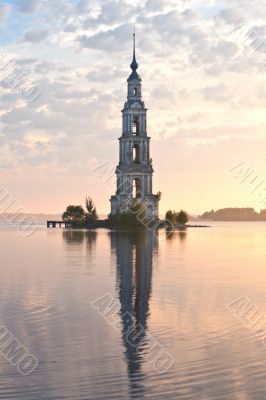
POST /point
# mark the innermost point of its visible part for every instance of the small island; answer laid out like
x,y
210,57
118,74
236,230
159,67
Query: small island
x,y
136,217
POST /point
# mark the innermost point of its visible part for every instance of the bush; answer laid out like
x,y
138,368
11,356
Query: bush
x,y
182,217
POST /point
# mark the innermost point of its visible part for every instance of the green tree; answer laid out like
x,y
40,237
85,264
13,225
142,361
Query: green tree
x,y
75,215
182,217
91,212
170,216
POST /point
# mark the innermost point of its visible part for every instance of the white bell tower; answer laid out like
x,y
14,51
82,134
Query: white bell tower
x,y
134,172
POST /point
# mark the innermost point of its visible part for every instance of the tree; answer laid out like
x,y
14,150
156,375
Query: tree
x,y
182,217
91,212
170,216
75,215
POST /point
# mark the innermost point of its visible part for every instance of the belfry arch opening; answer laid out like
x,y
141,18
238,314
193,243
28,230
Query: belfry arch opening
x,y
135,91
135,126
136,188
136,153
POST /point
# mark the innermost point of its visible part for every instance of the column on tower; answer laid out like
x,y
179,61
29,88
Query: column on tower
x,y
142,123
120,150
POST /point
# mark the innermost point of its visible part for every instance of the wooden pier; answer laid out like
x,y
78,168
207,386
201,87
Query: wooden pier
x,y
59,224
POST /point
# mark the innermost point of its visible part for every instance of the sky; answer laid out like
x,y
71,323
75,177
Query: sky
x,y
63,72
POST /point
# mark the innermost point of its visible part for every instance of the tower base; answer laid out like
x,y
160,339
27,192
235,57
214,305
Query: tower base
x,y
121,204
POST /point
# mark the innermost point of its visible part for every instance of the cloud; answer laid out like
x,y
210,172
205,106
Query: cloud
x,y
36,36
84,6
102,74
218,93
113,40
27,6
156,5
233,16
112,12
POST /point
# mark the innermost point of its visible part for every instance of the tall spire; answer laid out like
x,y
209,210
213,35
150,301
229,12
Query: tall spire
x,y
134,65
134,40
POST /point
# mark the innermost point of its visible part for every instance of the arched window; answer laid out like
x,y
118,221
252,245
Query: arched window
x,y
135,91
136,188
135,126
136,157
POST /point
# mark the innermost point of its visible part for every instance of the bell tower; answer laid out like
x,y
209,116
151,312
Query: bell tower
x,y
134,172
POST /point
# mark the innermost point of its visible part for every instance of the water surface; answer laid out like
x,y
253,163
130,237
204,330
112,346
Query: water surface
x,y
175,289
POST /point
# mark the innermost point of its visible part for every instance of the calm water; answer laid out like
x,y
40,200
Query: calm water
x,y
176,292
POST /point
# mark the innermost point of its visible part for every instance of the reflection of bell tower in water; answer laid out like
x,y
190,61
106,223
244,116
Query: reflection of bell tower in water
x,y
134,172
134,252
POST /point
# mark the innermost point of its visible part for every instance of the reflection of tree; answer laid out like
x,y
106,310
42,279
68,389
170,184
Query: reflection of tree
x,y
85,240
134,251
91,237
172,235
74,237
182,235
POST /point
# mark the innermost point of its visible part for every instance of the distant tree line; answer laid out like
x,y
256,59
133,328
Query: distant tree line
x,y
234,214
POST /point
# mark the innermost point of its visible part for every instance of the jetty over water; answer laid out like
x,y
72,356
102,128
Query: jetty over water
x,y
59,224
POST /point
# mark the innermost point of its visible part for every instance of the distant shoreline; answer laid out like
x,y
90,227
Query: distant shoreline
x,y
246,214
